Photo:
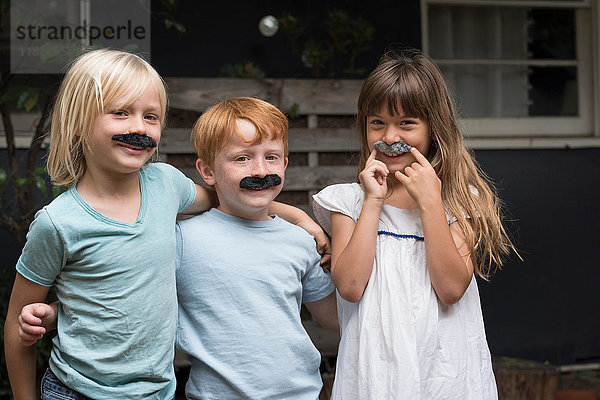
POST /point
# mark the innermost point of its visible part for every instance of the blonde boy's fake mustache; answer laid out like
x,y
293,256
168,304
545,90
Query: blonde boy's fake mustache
x,y
135,139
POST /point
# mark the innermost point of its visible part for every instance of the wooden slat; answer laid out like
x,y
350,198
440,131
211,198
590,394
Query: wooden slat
x,y
313,96
299,140
302,178
323,140
316,178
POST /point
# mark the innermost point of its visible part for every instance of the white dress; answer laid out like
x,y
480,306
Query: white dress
x,y
399,341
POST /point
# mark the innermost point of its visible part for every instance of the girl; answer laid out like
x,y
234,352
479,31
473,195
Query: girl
x,y
405,243
107,244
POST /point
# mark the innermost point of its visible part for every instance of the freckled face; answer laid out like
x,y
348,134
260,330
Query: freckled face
x,y
394,128
239,159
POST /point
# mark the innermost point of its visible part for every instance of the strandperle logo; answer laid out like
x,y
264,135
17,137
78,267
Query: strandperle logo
x,y
48,34
82,32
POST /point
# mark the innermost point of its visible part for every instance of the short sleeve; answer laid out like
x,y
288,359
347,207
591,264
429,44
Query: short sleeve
x,y
43,255
316,283
183,187
345,198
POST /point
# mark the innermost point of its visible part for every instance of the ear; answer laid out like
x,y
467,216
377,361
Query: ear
x,y
205,172
285,164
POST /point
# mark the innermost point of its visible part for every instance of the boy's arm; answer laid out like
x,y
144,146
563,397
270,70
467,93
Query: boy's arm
x,y
324,311
206,198
21,360
298,217
36,320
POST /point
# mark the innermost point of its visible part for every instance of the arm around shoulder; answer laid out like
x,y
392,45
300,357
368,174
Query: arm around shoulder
x,y
298,217
205,199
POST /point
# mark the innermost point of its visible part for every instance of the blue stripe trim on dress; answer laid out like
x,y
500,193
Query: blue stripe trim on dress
x,y
401,236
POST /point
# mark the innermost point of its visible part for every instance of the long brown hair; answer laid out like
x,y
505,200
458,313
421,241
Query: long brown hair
x,y
409,80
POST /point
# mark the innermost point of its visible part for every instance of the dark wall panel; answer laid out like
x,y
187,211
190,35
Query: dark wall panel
x,y
545,308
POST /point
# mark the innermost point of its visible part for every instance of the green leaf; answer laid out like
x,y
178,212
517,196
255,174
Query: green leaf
x,y
13,93
41,184
180,28
32,100
2,176
21,181
22,99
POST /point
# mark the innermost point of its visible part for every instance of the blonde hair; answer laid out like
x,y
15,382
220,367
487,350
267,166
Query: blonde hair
x,y
94,81
215,126
410,81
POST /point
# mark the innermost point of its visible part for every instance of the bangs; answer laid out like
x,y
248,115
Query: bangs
x,y
402,96
123,89
269,132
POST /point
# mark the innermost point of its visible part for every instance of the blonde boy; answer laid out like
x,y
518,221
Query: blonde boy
x,y
243,274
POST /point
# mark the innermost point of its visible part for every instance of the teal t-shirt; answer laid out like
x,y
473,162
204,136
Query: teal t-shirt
x,y
116,285
240,286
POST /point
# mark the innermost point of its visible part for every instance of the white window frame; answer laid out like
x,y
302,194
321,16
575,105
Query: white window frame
x,y
582,130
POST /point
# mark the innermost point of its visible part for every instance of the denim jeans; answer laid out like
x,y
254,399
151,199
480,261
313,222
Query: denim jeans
x,y
53,389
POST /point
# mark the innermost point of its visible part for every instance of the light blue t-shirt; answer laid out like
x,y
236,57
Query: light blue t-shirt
x,y
116,286
240,286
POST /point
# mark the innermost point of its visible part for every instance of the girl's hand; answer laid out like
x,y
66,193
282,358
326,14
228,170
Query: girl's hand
x,y
373,177
421,181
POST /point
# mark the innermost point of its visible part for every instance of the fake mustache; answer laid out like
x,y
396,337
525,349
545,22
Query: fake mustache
x,y
256,183
135,139
398,147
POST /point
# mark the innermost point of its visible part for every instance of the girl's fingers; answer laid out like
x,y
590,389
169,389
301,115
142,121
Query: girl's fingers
x,y
401,177
419,157
371,156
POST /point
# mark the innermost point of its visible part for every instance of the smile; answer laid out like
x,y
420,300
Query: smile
x,y
392,154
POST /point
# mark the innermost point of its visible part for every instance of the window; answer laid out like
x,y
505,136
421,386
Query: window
x,y
517,68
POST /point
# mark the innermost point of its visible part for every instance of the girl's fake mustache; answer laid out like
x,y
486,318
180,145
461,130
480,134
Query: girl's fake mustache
x,y
398,147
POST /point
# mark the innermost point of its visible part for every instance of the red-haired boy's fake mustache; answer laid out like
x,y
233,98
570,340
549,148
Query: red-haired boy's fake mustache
x,y
256,183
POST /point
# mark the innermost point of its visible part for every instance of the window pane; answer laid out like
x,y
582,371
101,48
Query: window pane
x,y
477,32
488,90
552,34
553,91
508,36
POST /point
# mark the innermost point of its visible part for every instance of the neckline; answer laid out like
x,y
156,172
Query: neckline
x,y
242,221
103,218
406,210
